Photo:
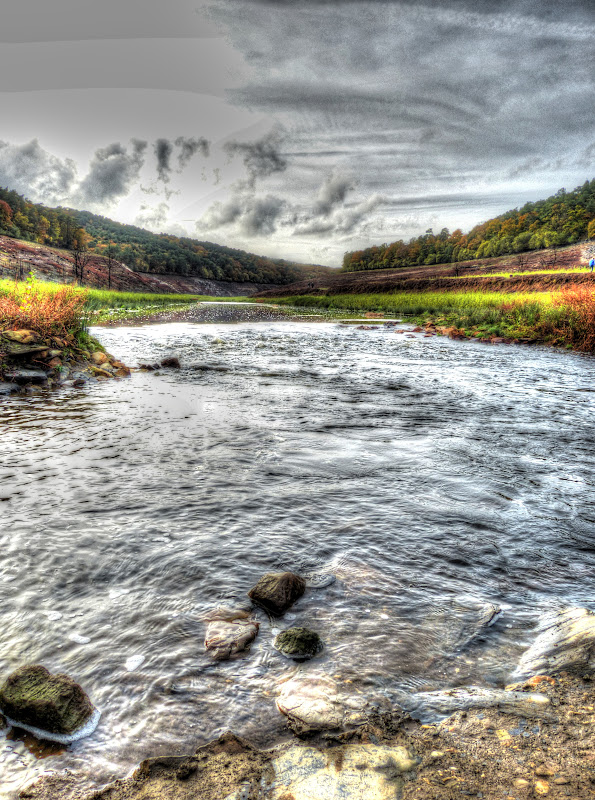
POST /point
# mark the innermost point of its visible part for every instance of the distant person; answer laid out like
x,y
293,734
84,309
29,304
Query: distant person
x,y
592,264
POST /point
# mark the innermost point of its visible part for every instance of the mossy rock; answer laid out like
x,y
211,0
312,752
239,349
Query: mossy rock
x,y
53,703
298,643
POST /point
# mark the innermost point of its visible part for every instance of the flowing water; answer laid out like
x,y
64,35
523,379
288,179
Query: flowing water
x,y
432,477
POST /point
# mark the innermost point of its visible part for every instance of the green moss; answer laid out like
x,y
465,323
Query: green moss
x,y
55,703
298,643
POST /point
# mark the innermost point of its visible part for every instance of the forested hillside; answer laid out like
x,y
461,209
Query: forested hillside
x,y
139,249
564,218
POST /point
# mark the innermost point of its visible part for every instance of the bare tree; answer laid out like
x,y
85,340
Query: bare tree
x,y
81,254
109,256
522,260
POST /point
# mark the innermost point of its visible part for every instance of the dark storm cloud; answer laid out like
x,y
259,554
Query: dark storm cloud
x,y
261,158
189,147
112,172
163,149
332,193
32,171
253,216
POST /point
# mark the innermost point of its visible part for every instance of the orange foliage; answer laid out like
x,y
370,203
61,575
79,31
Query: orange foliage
x,y
578,326
50,314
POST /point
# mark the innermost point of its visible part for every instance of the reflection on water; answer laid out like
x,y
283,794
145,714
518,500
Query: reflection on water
x,y
434,478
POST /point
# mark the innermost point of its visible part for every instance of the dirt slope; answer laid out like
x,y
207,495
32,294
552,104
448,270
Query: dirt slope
x,y
444,276
18,258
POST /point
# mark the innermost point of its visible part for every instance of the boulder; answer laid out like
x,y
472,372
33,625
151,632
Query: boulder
x,y
8,388
172,362
122,372
229,633
312,701
99,358
55,362
22,336
298,643
566,641
277,591
32,697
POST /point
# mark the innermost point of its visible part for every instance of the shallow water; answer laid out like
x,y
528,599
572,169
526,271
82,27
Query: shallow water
x,y
431,476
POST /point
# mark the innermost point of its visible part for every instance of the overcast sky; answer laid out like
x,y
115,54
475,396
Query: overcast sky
x,y
297,129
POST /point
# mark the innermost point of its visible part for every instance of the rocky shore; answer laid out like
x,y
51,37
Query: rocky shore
x,y
485,753
30,362
533,738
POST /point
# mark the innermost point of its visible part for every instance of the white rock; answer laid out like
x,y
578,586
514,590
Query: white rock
x,y
357,772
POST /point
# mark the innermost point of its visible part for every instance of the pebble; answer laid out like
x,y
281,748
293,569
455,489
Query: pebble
x,y
133,662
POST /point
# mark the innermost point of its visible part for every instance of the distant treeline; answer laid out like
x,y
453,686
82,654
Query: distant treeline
x,y
139,249
564,218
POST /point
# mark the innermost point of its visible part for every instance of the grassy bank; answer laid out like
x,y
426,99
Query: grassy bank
x,y
565,318
38,300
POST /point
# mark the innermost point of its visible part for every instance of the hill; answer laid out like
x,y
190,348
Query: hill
x,y
563,219
540,271
140,250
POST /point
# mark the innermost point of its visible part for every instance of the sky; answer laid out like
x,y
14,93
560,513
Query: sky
x,y
297,129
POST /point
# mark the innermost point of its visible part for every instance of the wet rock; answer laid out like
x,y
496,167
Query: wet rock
x,y
25,376
8,388
15,350
171,361
566,641
429,706
319,580
122,372
23,336
311,701
32,697
55,354
355,771
99,358
277,591
298,643
100,372
229,632
55,362
79,382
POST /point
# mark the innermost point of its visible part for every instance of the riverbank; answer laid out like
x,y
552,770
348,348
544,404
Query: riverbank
x,y
563,319
486,753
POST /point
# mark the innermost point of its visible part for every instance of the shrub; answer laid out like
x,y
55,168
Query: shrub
x,y
51,313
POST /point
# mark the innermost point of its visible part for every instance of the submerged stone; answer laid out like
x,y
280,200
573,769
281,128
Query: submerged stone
x,y
429,706
172,362
298,643
52,703
229,632
277,591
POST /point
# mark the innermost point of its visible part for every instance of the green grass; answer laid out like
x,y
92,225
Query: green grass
x,y
522,315
509,274
104,306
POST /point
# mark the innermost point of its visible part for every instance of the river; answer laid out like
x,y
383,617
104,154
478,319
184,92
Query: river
x,y
431,476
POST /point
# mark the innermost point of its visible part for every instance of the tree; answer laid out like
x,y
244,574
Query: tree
x,y
80,252
109,257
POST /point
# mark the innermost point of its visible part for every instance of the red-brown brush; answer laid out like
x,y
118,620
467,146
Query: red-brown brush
x,y
50,314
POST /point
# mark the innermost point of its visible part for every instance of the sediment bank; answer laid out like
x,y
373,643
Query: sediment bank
x,y
483,753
